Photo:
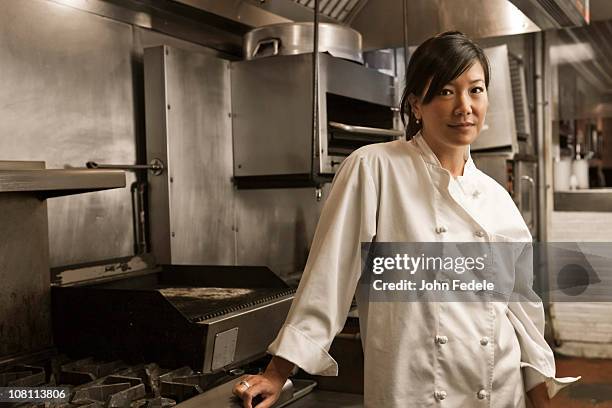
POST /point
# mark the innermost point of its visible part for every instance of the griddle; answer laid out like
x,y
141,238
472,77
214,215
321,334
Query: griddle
x,y
207,317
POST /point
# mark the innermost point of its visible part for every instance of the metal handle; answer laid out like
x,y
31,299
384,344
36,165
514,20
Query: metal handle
x,y
531,200
274,41
156,166
364,130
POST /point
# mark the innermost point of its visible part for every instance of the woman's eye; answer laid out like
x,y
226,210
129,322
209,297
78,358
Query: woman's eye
x,y
445,92
478,89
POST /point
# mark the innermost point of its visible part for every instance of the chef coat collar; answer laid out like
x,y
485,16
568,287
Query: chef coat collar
x,y
430,157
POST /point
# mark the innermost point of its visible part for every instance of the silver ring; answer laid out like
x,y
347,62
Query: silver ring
x,y
246,384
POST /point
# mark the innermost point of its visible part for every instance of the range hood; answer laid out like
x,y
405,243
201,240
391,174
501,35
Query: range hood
x,y
409,22
549,14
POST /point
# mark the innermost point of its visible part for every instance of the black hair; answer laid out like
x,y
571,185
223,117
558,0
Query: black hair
x,y
442,59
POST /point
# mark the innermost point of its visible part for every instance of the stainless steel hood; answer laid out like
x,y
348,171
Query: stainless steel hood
x,y
381,22
549,14
393,23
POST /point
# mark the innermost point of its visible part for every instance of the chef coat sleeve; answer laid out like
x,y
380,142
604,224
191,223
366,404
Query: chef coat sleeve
x,y
327,286
526,313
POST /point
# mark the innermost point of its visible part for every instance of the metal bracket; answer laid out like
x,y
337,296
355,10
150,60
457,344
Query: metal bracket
x,y
156,166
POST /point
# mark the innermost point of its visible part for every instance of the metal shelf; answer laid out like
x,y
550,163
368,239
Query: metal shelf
x,y
593,200
24,177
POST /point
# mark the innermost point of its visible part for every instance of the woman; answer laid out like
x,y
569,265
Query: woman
x,y
418,354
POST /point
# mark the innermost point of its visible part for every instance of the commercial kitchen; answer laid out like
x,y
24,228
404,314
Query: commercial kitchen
x,y
163,166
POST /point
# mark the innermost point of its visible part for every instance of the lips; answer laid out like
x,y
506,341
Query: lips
x,y
461,125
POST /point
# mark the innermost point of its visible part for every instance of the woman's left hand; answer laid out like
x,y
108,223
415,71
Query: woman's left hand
x,y
539,396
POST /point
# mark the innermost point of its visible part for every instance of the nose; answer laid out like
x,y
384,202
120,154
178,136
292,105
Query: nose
x,y
463,105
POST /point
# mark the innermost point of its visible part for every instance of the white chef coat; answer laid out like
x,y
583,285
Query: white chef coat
x,y
417,354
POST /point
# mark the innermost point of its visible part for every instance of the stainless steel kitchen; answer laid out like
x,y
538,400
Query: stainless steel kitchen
x,y
191,191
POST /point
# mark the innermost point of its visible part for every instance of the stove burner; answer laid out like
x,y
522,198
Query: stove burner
x,y
113,384
23,376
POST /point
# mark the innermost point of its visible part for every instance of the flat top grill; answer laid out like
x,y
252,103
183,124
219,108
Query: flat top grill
x,y
198,304
204,317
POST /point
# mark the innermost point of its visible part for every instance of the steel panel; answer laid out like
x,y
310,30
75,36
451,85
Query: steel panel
x,y
67,98
189,128
275,227
25,299
499,129
272,115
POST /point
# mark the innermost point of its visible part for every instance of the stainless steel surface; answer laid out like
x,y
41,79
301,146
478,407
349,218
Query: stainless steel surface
x,y
25,302
297,38
364,130
425,18
63,102
189,129
268,219
176,20
550,14
242,11
277,140
329,399
54,182
253,227
494,165
283,130
499,130
224,348
222,397
253,335
338,10
593,200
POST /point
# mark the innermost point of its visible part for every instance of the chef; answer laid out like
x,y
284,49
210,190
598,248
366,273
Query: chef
x,y
426,189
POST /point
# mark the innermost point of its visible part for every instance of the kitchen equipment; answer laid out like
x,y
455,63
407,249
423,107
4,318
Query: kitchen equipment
x,y
499,130
207,317
115,383
25,323
297,38
272,118
518,175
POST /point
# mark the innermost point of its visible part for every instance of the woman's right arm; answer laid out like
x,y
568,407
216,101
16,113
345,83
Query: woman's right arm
x,y
330,277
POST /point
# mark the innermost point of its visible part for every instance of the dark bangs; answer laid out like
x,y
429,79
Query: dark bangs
x,y
442,59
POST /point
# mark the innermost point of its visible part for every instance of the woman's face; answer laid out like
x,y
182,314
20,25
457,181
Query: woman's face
x,y
455,116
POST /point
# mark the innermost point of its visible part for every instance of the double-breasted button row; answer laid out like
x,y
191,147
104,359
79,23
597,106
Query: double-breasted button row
x,y
440,395
441,229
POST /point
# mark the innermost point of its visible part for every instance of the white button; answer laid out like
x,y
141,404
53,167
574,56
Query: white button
x,y
476,194
480,234
482,394
484,341
440,395
441,339
441,229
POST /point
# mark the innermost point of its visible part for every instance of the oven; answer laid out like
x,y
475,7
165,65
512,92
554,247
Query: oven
x,y
272,117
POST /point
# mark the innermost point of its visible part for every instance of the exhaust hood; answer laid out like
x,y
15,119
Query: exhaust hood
x,y
549,14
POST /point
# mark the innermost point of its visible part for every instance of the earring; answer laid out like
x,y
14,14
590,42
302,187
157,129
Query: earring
x,y
418,121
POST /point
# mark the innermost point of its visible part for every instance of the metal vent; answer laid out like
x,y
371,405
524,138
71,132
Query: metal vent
x,y
519,97
556,12
339,10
